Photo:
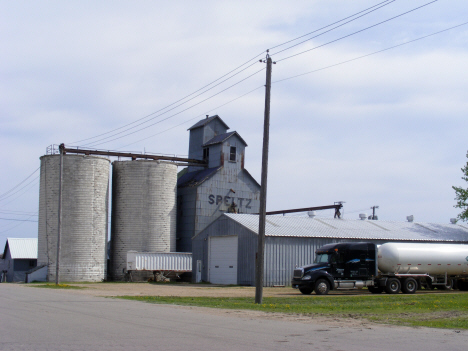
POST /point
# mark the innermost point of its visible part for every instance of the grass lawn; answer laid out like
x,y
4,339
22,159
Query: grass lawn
x,y
53,286
434,310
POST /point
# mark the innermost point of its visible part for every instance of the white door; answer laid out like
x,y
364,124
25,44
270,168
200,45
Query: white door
x,y
223,260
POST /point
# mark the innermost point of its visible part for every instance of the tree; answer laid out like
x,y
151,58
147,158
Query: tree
x,y
462,196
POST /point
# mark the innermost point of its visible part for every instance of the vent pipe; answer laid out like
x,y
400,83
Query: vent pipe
x,y
453,220
363,216
311,214
410,218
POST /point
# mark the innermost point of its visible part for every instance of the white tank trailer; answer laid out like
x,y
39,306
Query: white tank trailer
x,y
143,212
85,193
390,267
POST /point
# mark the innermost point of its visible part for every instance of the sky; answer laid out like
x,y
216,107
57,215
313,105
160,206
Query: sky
x,y
386,130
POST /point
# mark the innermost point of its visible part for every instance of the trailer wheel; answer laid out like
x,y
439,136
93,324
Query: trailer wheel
x,y
409,286
393,286
306,291
375,289
463,285
322,287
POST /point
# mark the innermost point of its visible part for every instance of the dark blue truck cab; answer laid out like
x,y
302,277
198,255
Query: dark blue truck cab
x,y
338,266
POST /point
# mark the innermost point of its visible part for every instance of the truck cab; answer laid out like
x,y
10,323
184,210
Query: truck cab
x,y
338,266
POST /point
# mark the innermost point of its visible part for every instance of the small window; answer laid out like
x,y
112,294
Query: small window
x,y
232,154
206,154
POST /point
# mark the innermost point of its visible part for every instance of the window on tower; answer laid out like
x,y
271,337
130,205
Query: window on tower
x,y
232,154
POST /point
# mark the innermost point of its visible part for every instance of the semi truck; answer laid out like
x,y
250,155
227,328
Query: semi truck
x,y
390,268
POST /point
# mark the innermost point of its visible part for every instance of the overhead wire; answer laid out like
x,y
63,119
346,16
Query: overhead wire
x,y
354,33
9,191
191,119
372,8
96,143
370,54
185,97
329,25
327,31
10,195
302,74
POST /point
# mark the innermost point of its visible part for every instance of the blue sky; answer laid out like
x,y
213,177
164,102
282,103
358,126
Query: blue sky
x,y
387,130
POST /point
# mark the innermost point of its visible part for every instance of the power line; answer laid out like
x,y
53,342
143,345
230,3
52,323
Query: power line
x,y
344,19
372,8
6,197
359,31
164,108
17,220
29,176
302,74
370,54
96,143
341,25
191,119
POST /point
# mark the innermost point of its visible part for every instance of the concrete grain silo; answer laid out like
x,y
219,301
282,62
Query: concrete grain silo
x,y
143,210
85,193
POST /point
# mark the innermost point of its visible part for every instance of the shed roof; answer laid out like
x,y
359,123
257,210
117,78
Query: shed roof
x,y
207,120
281,226
222,138
25,248
196,178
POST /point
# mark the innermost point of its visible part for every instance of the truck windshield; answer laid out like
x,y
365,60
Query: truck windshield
x,y
321,258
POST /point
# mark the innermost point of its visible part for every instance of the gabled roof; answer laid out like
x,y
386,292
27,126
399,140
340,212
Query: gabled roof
x,y
207,120
196,178
25,248
222,138
284,226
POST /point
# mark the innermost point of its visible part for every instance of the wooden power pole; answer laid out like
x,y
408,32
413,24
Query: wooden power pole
x,y
263,190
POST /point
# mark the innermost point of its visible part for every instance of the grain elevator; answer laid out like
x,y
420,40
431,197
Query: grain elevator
x,y
205,193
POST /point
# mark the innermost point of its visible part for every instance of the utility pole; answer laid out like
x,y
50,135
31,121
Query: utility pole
x,y
263,189
59,230
373,212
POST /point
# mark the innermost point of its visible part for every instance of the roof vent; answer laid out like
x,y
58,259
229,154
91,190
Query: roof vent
x,y
311,214
363,216
453,220
410,218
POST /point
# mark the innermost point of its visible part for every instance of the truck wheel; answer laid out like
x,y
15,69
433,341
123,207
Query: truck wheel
x,y
409,286
393,286
306,291
375,289
322,287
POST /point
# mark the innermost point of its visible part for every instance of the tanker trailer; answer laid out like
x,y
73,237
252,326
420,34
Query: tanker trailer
x,y
390,267
430,265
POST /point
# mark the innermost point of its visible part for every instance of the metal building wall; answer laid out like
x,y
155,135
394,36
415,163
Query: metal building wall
x,y
186,210
247,242
143,210
85,192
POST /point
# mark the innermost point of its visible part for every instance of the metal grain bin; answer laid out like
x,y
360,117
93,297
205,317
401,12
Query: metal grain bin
x,y
85,193
143,210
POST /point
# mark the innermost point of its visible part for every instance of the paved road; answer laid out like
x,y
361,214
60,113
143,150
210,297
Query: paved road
x,y
45,319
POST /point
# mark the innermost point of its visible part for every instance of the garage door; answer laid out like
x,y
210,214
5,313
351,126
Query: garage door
x,y
223,260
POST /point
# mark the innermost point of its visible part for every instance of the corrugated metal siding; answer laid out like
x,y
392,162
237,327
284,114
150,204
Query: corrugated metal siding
x,y
23,247
159,261
354,229
247,242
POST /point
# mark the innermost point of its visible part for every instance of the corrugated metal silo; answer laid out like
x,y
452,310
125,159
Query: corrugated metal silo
x,y
85,193
143,210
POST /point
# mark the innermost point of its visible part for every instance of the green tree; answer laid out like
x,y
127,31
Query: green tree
x,y
462,195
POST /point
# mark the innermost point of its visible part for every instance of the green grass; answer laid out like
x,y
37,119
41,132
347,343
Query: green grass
x,y
438,311
59,286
